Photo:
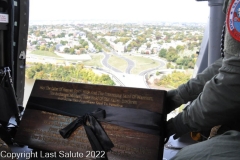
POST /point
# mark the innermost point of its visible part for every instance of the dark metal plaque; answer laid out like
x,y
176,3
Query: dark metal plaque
x,y
40,129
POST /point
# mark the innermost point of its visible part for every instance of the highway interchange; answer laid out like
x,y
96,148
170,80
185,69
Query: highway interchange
x,y
121,78
127,79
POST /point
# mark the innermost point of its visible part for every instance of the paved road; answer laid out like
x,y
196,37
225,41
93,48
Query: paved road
x,y
128,79
131,64
125,79
162,64
131,80
105,63
152,69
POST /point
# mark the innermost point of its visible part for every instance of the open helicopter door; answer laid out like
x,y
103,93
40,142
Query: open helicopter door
x,y
211,42
210,51
13,43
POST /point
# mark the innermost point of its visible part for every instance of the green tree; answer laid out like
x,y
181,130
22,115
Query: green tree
x,y
158,35
37,33
63,42
39,75
34,42
180,48
61,35
30,73
37,47
66,50
162,53
42,47
173,80
51,49
72,50
180,61
148,45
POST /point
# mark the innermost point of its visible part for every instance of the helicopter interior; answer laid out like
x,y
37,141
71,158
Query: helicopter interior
x,y
14,22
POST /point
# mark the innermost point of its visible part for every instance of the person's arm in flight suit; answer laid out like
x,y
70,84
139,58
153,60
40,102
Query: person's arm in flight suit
x,y
219,102
190,90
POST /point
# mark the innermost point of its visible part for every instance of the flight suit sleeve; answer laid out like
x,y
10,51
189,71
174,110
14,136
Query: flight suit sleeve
x,y
190,90
219,102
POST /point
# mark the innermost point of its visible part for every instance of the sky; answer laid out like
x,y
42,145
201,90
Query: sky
x,y
122,10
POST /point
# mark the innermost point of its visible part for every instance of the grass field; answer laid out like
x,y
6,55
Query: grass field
x,y
45,53
95,61
118,63
142,64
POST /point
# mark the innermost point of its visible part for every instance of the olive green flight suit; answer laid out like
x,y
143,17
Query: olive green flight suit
x,y
215,96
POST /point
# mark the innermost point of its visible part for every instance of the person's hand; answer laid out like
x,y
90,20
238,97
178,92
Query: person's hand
x,y
176,127
173,100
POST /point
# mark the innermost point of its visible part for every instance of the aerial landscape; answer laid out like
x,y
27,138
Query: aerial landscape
x,y
113,47
117,51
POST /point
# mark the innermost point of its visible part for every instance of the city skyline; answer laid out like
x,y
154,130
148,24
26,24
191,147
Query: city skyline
x,y
106,10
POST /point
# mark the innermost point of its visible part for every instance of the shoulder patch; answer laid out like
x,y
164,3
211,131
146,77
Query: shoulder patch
x,y
233,19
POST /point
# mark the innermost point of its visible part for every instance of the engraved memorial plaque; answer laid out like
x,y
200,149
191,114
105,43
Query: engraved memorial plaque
x,y
133,120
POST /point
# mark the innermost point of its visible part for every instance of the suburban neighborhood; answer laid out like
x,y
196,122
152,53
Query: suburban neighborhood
x,y
115,49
